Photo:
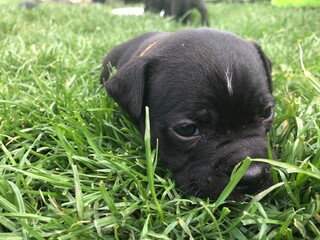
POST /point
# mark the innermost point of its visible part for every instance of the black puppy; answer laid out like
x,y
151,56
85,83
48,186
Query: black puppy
x,y
211,104
29,5
178,8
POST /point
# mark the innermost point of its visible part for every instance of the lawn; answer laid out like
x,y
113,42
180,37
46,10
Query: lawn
x,y
72,166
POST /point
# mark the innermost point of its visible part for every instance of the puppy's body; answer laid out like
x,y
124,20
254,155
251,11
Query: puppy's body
x,y
178,8
210,100
29,5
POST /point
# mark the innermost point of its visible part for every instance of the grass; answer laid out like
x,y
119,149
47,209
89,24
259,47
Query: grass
x,y
72,166
296,3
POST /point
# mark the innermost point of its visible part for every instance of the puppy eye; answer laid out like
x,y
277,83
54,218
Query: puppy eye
x,y
187,130
266,113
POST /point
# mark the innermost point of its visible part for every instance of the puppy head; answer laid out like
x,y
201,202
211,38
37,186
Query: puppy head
x,y
211,105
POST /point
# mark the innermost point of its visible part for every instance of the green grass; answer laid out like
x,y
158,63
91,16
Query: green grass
x,y
296,3
72,166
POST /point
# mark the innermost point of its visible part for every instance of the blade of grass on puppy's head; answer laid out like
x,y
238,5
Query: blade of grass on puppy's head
x,y
236,176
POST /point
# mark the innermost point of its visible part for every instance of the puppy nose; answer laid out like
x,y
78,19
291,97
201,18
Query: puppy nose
x,y
256,176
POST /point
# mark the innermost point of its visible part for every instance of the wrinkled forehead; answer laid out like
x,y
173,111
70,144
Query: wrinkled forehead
x,y
208,75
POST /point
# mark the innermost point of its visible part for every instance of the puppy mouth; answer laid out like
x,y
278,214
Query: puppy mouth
x,y
211,185
239,193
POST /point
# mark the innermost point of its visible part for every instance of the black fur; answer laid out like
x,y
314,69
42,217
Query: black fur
x,y
178,8
205,124
29,5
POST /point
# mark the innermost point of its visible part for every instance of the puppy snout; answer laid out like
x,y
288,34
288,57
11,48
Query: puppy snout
x,y
257,177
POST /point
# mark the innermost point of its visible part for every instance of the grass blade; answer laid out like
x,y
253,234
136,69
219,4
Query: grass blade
x,y
290,168
150,165
108,199
78,193
234,180
313,80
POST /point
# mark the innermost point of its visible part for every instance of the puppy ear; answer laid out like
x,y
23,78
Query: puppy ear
x,y
266,63
127,86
